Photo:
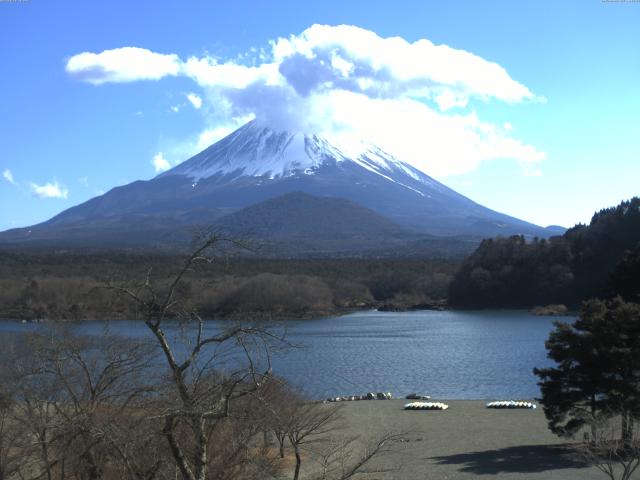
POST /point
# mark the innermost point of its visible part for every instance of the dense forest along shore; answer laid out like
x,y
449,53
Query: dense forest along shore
x,y
74,287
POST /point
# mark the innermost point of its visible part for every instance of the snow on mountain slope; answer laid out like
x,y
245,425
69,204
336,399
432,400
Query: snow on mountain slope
x,y
257,151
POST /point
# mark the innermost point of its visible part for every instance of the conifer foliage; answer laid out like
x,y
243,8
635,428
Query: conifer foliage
x,y
597,371
600,260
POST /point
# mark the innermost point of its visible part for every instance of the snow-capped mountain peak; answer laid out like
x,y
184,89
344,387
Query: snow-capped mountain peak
x,y
255,150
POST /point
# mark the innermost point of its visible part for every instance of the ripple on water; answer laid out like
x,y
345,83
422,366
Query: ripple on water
x,y
450,354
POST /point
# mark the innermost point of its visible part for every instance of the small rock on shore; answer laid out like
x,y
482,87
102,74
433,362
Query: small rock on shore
x,y
550,310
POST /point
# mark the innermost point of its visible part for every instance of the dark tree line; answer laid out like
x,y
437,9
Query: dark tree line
x,y
596,260
68,286
514,272
625,279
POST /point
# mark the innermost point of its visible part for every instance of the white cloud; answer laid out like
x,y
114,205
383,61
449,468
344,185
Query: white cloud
x,y
175,108
84,181
49,190
436,143
127,64
160,163
414,99
382,67
210,136
8,176
447,100
189,147
195,100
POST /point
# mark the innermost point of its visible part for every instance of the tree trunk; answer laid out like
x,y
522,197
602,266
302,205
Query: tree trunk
x,y
178,455
281,444
594,426
91,469
201,449
44,447
625,428
296,473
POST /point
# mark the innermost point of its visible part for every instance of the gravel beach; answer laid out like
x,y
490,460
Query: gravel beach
x,y
466,441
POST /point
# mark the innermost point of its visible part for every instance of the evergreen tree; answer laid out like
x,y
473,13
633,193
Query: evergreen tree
x,y
597,368
625,279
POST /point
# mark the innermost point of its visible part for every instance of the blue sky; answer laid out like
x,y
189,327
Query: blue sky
x,y
558,125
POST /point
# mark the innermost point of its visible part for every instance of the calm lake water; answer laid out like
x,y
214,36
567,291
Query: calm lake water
x,y
449,355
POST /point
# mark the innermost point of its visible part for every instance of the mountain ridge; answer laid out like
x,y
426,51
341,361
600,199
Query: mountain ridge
x,y
255,164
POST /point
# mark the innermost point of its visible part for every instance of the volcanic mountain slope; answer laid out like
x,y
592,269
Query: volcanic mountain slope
x,y
298,223
300,215
255,164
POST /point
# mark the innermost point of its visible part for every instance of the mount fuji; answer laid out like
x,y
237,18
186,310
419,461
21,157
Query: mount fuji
x,y
281,186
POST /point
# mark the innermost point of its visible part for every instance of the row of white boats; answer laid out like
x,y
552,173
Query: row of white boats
x,y
510,404
421,404
426,406
366,396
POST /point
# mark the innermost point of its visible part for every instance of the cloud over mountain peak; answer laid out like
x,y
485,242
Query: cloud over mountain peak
x,y
411,98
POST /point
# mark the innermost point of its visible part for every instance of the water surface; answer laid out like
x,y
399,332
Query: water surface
x,y
450,354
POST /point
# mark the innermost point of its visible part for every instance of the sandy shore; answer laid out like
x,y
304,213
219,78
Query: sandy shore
x,y
465,441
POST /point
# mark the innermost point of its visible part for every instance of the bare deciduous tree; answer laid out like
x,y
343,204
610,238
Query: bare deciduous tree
x,y
12,438
614,454
339,460
311,429
78,400
202,395
309,423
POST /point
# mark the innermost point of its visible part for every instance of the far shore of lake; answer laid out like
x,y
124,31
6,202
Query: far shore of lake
x,y
440,305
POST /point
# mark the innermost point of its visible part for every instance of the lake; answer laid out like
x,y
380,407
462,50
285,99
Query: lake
x,y
448,354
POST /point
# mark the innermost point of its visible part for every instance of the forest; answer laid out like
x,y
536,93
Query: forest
x,y
601,259
66,286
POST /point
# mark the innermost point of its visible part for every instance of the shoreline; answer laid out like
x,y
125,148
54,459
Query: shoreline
x,y
250,316
286,316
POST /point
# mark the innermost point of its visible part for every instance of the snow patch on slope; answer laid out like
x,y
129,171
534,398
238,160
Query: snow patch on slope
x,y
257,151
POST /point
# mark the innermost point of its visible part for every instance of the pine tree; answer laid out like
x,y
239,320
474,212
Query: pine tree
x,y
597,370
